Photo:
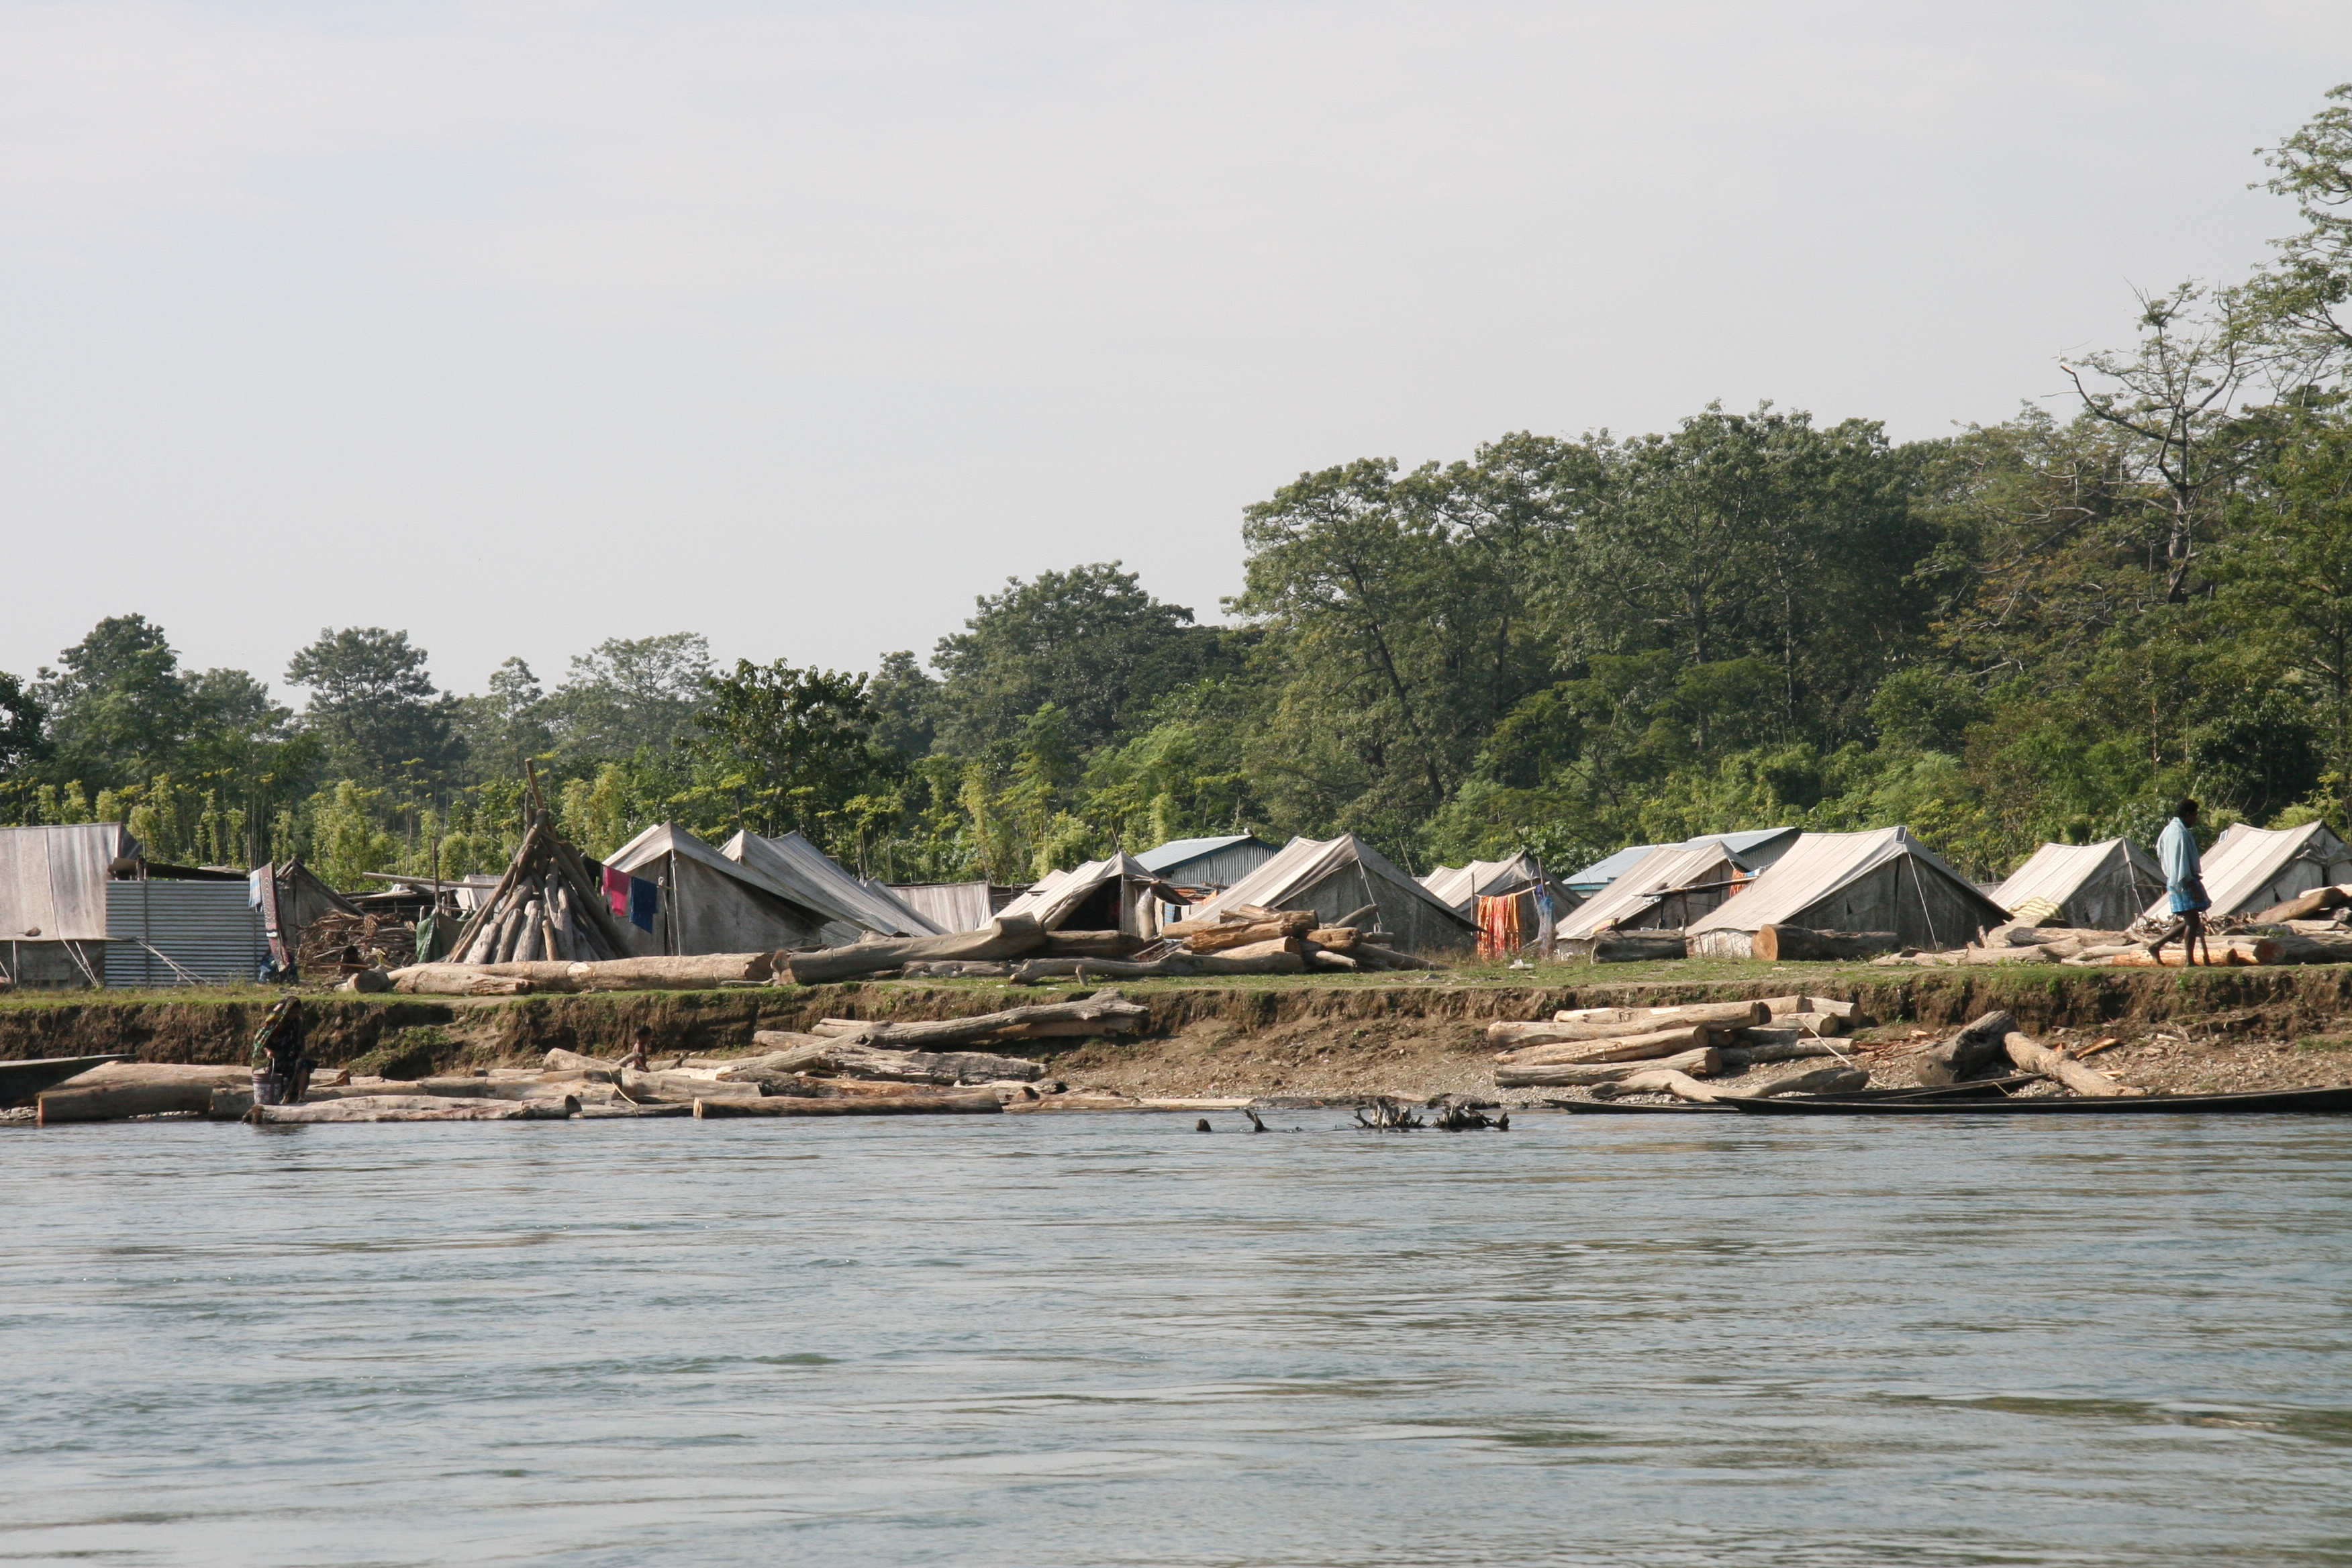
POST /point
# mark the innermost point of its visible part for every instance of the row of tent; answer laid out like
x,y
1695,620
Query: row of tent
x,y
1721,890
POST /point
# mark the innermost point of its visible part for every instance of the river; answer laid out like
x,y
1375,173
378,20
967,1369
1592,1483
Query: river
x,y
1109,1340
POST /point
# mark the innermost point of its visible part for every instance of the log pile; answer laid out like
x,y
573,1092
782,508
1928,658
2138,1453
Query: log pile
x,y
1617,1046
547,908
346,942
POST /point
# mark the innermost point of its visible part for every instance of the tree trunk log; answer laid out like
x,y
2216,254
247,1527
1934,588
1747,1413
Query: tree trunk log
x,y
850,1059
686,972
121,1089
1616,1023
1563,1075
1658,1080
1619,1048
457,980
1796,944
1088,944
1217,939
1977,1046
2302,908
2300,948
1339,939
2034,1057
1003,937
1389,957
984,1104
415,1108
680,1087
1108,1010
1632,947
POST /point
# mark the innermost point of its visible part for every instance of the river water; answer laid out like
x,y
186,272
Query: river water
x,y
1109,1340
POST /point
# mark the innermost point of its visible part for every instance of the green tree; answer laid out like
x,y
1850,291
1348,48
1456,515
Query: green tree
x,y
502,726
373,708
790,748
631,694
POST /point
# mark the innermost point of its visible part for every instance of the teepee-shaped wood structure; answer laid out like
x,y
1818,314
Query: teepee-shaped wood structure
x,y
547,906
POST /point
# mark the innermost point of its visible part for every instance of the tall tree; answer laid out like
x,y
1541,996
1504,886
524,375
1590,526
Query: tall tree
x,y
630,694
1089,640
118,705
373,708
501,727
791,748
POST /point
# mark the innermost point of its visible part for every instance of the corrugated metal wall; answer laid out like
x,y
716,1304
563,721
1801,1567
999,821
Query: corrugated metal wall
x,y
206,928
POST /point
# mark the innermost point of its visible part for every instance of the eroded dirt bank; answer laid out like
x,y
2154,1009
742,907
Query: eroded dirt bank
x,y
2201,1030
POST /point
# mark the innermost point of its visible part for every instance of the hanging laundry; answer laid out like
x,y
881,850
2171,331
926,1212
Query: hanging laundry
x,y
644,902
617,892
1499,927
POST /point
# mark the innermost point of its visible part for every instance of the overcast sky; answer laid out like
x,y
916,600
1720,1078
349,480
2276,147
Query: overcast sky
x,y
524,325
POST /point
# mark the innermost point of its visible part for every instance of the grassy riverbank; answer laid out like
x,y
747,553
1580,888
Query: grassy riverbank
x,y
1417,1033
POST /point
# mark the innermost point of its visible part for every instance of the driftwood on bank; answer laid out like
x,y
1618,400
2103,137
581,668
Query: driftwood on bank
x,y
1621,1048
414,1108
1819,1081
1608,1023
1799,944
1628,946
2305,906
984,1104
1004,937
1104,1013
1703,1063
1974,1048
849,1059
120,1090
2062,1065
1242,933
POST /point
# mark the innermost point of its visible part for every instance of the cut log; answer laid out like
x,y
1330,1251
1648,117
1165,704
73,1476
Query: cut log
x,y
849,1059
1621,1048
1325,958
560,1060
2303,907
683,971
1339,939
2034,1057
1107,1010
983,1104
1736,1057
457,980
1630,947
120,1090
2226,953
1004,938
1607,1023
1798,944
1275,960
1658,1080
680,1087
1218,938
1838,1079
414,1108
2317,947
1704,1063
1973,1048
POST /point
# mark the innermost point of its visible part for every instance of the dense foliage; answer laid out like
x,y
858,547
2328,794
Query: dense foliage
x,y
2044,628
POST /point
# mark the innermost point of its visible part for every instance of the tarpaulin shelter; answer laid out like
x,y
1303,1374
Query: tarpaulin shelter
x,y
1114,894
1883,879
80,907
1667,890
952,905
1459,887
817,882
710,904
1334,878
2251,869
2101,886
1758,848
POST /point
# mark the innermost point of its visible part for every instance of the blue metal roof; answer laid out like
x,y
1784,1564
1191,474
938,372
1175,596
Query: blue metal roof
x,y
1600,873
1176,852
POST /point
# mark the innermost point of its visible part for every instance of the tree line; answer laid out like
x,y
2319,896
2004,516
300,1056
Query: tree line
x,y
2044,628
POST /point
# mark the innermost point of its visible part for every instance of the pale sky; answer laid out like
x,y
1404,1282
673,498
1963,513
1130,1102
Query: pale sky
x,y
524,325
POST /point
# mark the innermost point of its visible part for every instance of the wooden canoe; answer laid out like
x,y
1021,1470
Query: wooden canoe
x,y
2335,1100
20,1082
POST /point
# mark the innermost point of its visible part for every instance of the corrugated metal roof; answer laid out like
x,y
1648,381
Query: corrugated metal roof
x,y
1818,865
2058,871
1176,852
2246,861
54,880
209,930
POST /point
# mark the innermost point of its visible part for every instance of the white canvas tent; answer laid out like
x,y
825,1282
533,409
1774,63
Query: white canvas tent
x,y
1114,894
2251,869
816,881
948,905
2101,886
1883,879
1336,877
712,904
53,899
1669,888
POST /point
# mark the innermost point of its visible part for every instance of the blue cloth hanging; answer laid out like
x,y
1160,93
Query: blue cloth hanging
x,y
644,902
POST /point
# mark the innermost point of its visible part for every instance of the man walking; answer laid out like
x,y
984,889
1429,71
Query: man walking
x,y
2184,884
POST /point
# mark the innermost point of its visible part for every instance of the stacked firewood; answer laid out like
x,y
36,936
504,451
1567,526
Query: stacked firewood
x,y
1248,932
546,908
361,941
